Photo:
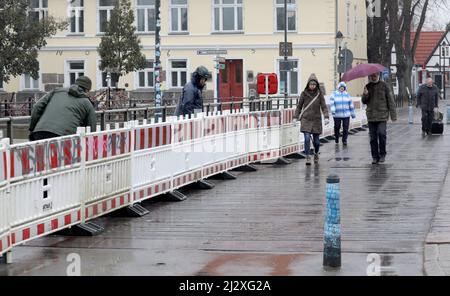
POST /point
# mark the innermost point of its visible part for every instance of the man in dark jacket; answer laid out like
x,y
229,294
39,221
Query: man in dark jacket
x,y
62,111
428,101
380,104
191,98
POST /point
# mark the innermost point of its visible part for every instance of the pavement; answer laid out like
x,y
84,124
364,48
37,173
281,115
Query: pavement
x,y
394,219
437,244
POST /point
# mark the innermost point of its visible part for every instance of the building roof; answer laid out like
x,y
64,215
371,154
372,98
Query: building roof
x,y
428,42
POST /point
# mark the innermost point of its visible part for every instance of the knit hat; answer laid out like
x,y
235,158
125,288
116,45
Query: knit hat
x,y
342,84
84,82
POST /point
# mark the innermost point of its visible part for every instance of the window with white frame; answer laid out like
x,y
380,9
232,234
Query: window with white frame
x,y
76,20
74,70
102,78
145,76
178,15
146,16
228,15
178,73
445,51
104,13
38,10
291,77
291,17
29,83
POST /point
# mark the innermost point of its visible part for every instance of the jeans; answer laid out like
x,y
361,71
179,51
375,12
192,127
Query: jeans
x,y
427,120
316,143
337,128
377,131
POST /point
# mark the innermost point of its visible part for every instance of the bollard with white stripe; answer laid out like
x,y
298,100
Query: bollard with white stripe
x,y
332,227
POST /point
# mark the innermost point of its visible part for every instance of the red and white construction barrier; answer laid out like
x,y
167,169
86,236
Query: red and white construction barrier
x,y
53,184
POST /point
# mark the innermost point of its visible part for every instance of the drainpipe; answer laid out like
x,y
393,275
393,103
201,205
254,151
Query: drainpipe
x,y
335,41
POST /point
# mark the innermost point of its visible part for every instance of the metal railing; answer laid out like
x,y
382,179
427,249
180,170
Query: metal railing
x,y
114,116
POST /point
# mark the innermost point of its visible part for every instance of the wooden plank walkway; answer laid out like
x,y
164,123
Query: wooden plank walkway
x,y
270,222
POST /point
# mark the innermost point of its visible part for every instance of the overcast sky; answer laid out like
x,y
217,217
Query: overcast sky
x,y
438,17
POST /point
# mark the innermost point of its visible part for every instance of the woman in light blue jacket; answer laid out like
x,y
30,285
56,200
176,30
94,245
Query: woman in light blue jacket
x,y
341,108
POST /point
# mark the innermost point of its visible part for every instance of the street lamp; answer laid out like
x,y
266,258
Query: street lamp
x,y
339,38
289,11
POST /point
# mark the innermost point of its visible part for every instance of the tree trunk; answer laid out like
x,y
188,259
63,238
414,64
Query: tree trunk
x,y
404,75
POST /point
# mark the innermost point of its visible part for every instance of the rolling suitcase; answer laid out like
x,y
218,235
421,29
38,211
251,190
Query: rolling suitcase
x,y
437,127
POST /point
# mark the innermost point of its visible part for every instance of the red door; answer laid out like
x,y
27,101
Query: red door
x,y
231,87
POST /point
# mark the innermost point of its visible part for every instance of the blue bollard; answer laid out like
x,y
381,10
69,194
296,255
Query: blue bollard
x,y
411,114
448,114
332,227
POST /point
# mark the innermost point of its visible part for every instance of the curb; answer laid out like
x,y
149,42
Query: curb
x,y
431,261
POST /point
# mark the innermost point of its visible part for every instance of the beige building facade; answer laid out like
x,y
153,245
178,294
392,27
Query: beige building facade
x,y
248,30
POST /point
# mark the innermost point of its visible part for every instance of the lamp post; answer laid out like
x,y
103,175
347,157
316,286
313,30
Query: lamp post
x,y
285,52
157,65
339,38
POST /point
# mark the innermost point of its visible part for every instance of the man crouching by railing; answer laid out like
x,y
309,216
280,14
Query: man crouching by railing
x,y
62,111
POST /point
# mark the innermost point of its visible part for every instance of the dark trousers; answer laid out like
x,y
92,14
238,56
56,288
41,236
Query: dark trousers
x,y
345,122
36,136
377,131
427,120
316,140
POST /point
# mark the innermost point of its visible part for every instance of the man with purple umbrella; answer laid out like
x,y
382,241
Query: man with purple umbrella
x,y
380,105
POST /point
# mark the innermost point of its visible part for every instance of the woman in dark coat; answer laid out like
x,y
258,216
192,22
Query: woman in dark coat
x,y
309,106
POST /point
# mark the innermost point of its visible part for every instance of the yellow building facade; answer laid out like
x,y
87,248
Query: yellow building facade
x,y
248,30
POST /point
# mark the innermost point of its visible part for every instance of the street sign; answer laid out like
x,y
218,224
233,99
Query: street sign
x,y
220,60
220,66
287,65
211,51
345,60
285,49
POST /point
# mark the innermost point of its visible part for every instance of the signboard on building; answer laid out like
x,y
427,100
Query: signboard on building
x,y
285,49
211,51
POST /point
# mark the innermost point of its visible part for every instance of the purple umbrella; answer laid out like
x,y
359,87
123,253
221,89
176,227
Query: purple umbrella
x,y
362,70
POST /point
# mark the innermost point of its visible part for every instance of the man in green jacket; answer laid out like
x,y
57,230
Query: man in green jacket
x,y
62,111
380,105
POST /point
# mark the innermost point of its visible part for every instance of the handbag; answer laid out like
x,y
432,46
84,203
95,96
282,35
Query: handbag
x,y
307,107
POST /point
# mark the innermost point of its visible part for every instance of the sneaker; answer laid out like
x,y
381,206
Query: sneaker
x,y
308,160
316,158
374,161
344,143
382,159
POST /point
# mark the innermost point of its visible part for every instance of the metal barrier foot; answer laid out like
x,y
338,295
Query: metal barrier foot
x,y
296,156
361,129
136,210
324,141
224,176
246,168
86,229
283,161
330,138
205,184
175,196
